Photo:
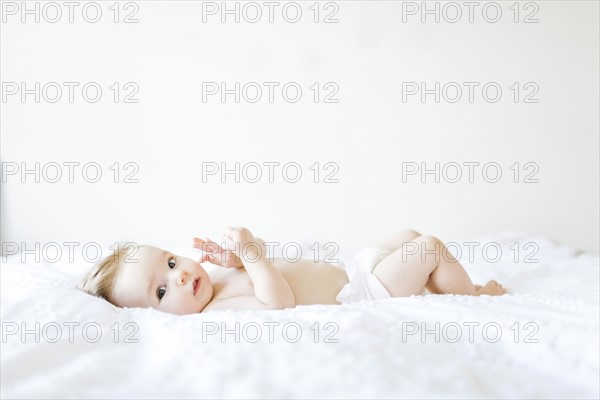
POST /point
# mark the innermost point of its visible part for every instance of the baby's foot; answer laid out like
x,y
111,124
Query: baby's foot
x,y
491,288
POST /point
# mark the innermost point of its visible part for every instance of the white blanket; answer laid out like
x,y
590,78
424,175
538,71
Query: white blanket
x,y
548,345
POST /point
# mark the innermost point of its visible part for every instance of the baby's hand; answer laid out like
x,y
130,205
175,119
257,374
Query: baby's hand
x,y
242,242
215,254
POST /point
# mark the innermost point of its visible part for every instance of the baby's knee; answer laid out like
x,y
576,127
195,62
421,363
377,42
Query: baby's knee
x,y
410,232
407,234
429,242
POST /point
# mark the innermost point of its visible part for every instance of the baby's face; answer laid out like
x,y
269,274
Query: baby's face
x,y
164,281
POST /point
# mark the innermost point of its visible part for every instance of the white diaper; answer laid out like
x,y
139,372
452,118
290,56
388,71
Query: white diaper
x,y
363,285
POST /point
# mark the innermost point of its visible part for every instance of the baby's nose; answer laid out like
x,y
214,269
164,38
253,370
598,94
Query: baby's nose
x,y
182,279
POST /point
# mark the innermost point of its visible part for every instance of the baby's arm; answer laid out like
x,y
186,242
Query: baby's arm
x,y
270,287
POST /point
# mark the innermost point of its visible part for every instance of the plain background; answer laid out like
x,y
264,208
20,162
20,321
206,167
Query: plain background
x,y
369,133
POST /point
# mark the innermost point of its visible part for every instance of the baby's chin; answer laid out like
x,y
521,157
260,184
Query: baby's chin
x,y
185,311
200,307
193,307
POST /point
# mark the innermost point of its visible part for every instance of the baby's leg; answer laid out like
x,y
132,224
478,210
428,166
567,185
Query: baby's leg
x,y
424,261
396,240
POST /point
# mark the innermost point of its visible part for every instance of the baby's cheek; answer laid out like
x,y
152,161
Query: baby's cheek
x,y
172,304
188,306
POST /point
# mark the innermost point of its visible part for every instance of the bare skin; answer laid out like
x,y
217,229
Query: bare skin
x,y
310,282
432,266
401,274
250,281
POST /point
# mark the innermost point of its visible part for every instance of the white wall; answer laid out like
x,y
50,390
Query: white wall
x,y
369,133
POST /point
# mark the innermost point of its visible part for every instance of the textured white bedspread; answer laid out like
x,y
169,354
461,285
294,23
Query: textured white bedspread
x,y
549,344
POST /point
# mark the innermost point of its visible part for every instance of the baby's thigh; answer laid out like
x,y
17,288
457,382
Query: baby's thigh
x,y
394,241
403,273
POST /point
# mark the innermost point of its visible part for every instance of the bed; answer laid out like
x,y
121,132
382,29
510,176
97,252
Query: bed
x,y
539,341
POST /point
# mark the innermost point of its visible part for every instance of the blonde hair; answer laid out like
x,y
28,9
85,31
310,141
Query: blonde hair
x,y
100,279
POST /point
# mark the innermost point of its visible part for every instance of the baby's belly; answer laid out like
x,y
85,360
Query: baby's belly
x,y
313,283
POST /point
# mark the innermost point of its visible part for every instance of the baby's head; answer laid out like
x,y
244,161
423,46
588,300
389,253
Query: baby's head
x,y
150,277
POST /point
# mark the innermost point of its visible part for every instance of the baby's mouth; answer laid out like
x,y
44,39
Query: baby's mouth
x,y
196,285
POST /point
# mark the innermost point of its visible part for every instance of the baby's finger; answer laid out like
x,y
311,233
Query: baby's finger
x,y
206,245
213,243
213,248
215,260
197,242
234,232
200,244
229,242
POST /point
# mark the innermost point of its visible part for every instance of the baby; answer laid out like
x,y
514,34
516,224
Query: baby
x,y
403,264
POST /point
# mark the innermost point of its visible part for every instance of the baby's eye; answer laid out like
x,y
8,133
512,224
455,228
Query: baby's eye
x,y
160,292
172,261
